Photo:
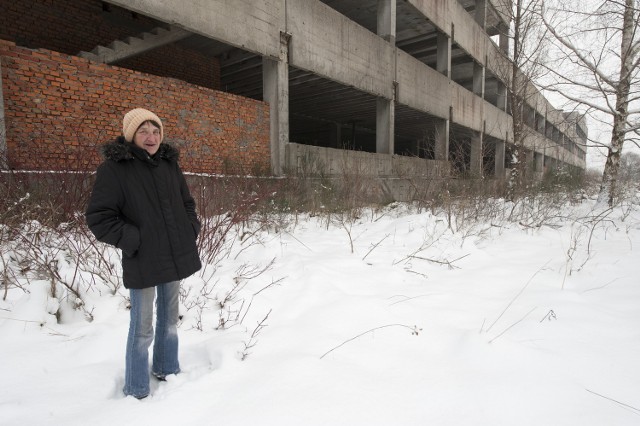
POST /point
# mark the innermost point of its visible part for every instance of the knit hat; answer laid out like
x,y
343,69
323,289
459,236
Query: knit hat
x,y
134,118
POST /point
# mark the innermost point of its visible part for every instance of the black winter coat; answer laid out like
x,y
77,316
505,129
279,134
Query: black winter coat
x,y
142,205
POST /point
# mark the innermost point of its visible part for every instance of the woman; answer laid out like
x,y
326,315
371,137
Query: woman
x,y
141,204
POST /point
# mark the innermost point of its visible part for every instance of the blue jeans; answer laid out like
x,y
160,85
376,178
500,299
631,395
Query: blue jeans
x,y
165,346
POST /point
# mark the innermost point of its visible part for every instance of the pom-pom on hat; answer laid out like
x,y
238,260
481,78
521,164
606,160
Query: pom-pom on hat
x,y
134,118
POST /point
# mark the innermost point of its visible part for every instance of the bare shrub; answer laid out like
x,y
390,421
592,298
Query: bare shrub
x,y
39,218
231,209
55,255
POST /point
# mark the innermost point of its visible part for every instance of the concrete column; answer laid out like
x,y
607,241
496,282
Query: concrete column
x,y
385,118
442,140
540,124
504,39
385,108
476,154
539,163
530,165
530,116
478,79
275,78
443,56
499,165
481,13
477,140
4,160
503,43
502,96
387,20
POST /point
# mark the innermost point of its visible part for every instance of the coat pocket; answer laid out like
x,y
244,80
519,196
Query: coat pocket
x,y
130,240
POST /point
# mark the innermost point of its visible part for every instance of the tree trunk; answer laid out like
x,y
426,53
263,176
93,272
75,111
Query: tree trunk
x,y
611,167
517,97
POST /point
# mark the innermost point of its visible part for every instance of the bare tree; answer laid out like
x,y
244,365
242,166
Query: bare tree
x,y
527,54
597,67
525,59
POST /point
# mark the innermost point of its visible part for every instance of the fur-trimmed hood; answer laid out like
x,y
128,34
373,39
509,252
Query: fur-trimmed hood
x,y
121,150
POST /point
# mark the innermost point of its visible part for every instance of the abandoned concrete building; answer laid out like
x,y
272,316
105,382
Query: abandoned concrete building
x,y
384,87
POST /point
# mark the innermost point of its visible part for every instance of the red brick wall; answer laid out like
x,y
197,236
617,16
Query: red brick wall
x,y
72,26
60,108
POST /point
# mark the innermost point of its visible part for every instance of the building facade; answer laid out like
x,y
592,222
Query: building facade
x,y
392,88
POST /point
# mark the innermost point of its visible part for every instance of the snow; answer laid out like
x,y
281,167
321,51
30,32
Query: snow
x,y
432,318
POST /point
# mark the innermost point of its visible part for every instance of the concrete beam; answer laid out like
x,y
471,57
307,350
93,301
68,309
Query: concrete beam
x,y
333,46
498,123
421,87
450,15
252,25
467,108
469,35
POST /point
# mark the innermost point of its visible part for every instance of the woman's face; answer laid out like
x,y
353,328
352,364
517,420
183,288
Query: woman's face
x,y
147,137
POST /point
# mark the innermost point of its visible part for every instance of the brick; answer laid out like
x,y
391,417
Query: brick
x,y
208,123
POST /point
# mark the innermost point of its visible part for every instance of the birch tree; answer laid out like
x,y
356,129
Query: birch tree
x,y
596,68
525,66
526,55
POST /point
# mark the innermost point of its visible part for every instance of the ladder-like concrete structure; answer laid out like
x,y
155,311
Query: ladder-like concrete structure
x,y
133,46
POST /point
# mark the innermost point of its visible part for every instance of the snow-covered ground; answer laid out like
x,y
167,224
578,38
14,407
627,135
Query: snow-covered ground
x,y
399,318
